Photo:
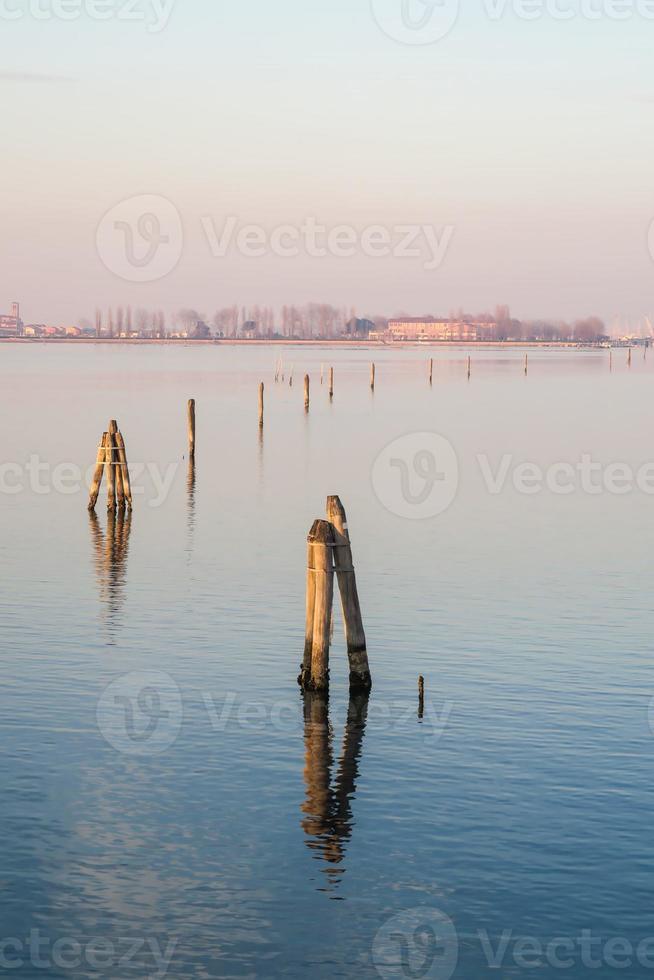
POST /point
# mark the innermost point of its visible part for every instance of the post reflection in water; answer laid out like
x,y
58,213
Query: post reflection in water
x,y
110,561
191,480
328,807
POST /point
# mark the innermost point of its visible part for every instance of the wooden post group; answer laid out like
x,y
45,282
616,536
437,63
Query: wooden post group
x,y
329,551
112,459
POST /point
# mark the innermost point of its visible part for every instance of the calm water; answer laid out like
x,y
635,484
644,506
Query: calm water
x,y
233,829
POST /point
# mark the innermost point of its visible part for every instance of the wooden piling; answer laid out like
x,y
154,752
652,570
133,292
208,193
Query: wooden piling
x,y
110,468
96,483
118,470
431,371
373,372
123,469
629,358
262,389
360,679
526,365
191,428
320,585
469,368
307,393
331,382
421,696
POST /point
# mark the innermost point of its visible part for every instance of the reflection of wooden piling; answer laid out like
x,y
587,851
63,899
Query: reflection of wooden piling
x,y
261,404
331,382
327,808
320,584
110,468
99,473
307,393
191,427
355,636
373,372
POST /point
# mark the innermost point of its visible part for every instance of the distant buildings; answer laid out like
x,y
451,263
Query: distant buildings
x,y
12,325
431,328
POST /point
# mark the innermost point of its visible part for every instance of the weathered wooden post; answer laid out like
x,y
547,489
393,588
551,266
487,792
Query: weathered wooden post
x,y
331,382
307,393
96,483
421,697
124,469
372,377
431,371
322,374
111,469
118,470
320,596
191,428
469,368
526,364
629,358
610,360
360,679
262,389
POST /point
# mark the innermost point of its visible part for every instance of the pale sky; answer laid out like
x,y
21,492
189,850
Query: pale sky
x,y
530,140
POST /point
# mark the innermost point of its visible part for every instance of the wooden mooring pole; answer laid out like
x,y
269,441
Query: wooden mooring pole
x,y
373,372
421,697
307,393
262,389
191,428
360,679
99,472
331,382
314,674
469,368
431,371
111,469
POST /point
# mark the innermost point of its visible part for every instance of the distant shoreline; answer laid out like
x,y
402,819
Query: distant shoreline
x,y
372,344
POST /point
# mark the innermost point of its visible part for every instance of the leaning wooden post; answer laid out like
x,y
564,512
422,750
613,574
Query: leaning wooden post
x,y
373,372
331,382
262,389
321,571
123,469
191,428
360,679
307,393
98,473
111,469
118,470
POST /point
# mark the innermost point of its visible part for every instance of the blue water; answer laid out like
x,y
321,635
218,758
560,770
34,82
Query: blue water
x,y
227,828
